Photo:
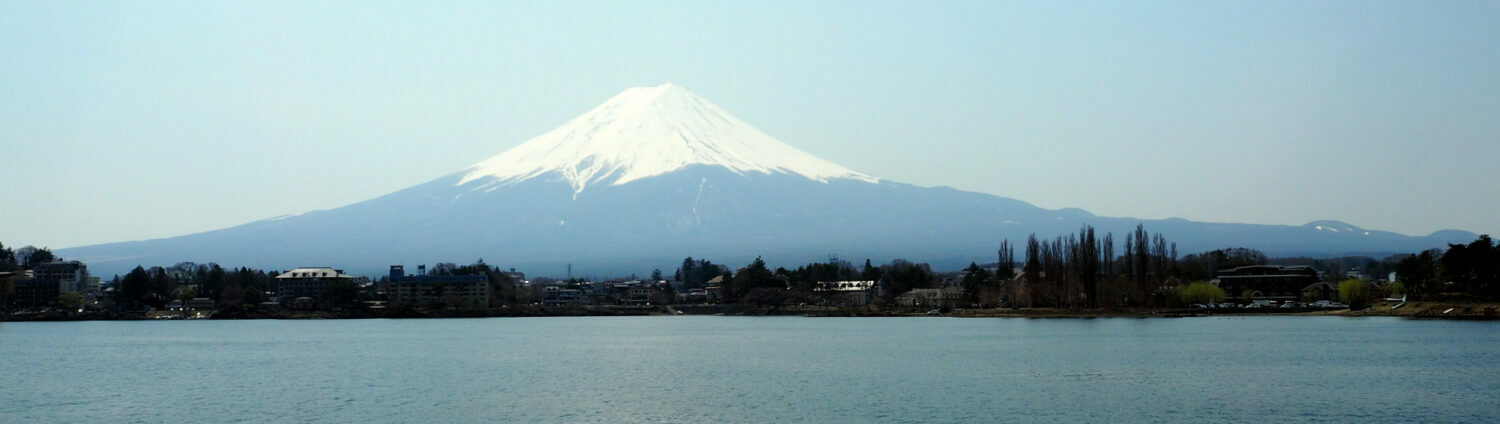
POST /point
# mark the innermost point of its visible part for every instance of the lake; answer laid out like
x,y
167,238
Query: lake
x,y
693,369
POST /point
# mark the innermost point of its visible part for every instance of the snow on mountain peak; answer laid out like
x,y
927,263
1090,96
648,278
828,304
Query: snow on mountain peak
x,y
648,131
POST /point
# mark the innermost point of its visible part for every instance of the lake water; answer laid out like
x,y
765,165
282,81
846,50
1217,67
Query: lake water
x,y
694,369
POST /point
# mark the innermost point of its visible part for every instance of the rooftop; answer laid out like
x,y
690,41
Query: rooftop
x,y
313,272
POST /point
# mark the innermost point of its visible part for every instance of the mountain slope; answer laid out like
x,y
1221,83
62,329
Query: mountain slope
x,y
657,174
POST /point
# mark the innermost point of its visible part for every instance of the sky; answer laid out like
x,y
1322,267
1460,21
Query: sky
x,y
136,120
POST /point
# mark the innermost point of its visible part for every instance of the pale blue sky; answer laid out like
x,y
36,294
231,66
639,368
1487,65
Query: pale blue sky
x,y
133,120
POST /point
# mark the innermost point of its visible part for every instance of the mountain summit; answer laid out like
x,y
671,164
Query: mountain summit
x,y
645,132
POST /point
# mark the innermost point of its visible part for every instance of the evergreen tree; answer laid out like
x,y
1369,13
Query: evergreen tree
x,y
133,291
7,259
755,276
38,257
870,273
973,281
688,274
900,276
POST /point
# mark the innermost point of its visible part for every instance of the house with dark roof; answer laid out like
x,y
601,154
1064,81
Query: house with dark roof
x,y
1321,290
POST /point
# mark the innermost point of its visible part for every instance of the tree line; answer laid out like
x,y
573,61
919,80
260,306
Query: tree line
x,y
1462,272
1079,270
1085,270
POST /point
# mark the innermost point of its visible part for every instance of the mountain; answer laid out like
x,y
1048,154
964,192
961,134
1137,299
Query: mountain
x,y
657,174
646,132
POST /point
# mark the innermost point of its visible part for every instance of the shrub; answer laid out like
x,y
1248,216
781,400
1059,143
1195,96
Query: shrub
x,y
1201,292
1355,293
1395,288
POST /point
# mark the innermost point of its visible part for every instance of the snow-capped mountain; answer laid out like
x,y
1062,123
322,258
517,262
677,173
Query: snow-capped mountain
x,y
645,132
656,174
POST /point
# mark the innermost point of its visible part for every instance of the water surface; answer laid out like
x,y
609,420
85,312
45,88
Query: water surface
x,y
752,369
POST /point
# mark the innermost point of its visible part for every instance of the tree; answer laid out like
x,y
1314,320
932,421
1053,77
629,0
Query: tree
x,y
132,291
1205,265
444,268
973,279
210,281
71,301
7,288
27,257
342,293
159,288
186,294
1417,273
1201,292
1086,265
754,276
656,275
1395,288
869,273
668,294
687,273
7,259
1355,293
900,276
1473,268
1005,268
41,256
694,273
502,286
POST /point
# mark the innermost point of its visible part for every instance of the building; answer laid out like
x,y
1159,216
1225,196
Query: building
x,y
714,288
40,287
698,295
846,293
307,282
1321,290
422,289
201,304
562,296
1271,282
643,295
72,276
34,293
946,297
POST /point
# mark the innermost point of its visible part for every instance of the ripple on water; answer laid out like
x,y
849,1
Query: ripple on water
x,y
737,369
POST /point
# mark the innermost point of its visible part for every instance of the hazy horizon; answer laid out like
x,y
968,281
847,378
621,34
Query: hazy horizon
x,y
129,121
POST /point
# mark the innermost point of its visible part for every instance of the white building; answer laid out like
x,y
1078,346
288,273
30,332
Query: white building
x,y
307,282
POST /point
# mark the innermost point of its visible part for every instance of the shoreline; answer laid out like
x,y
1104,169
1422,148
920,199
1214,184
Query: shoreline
x,y
1413,310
